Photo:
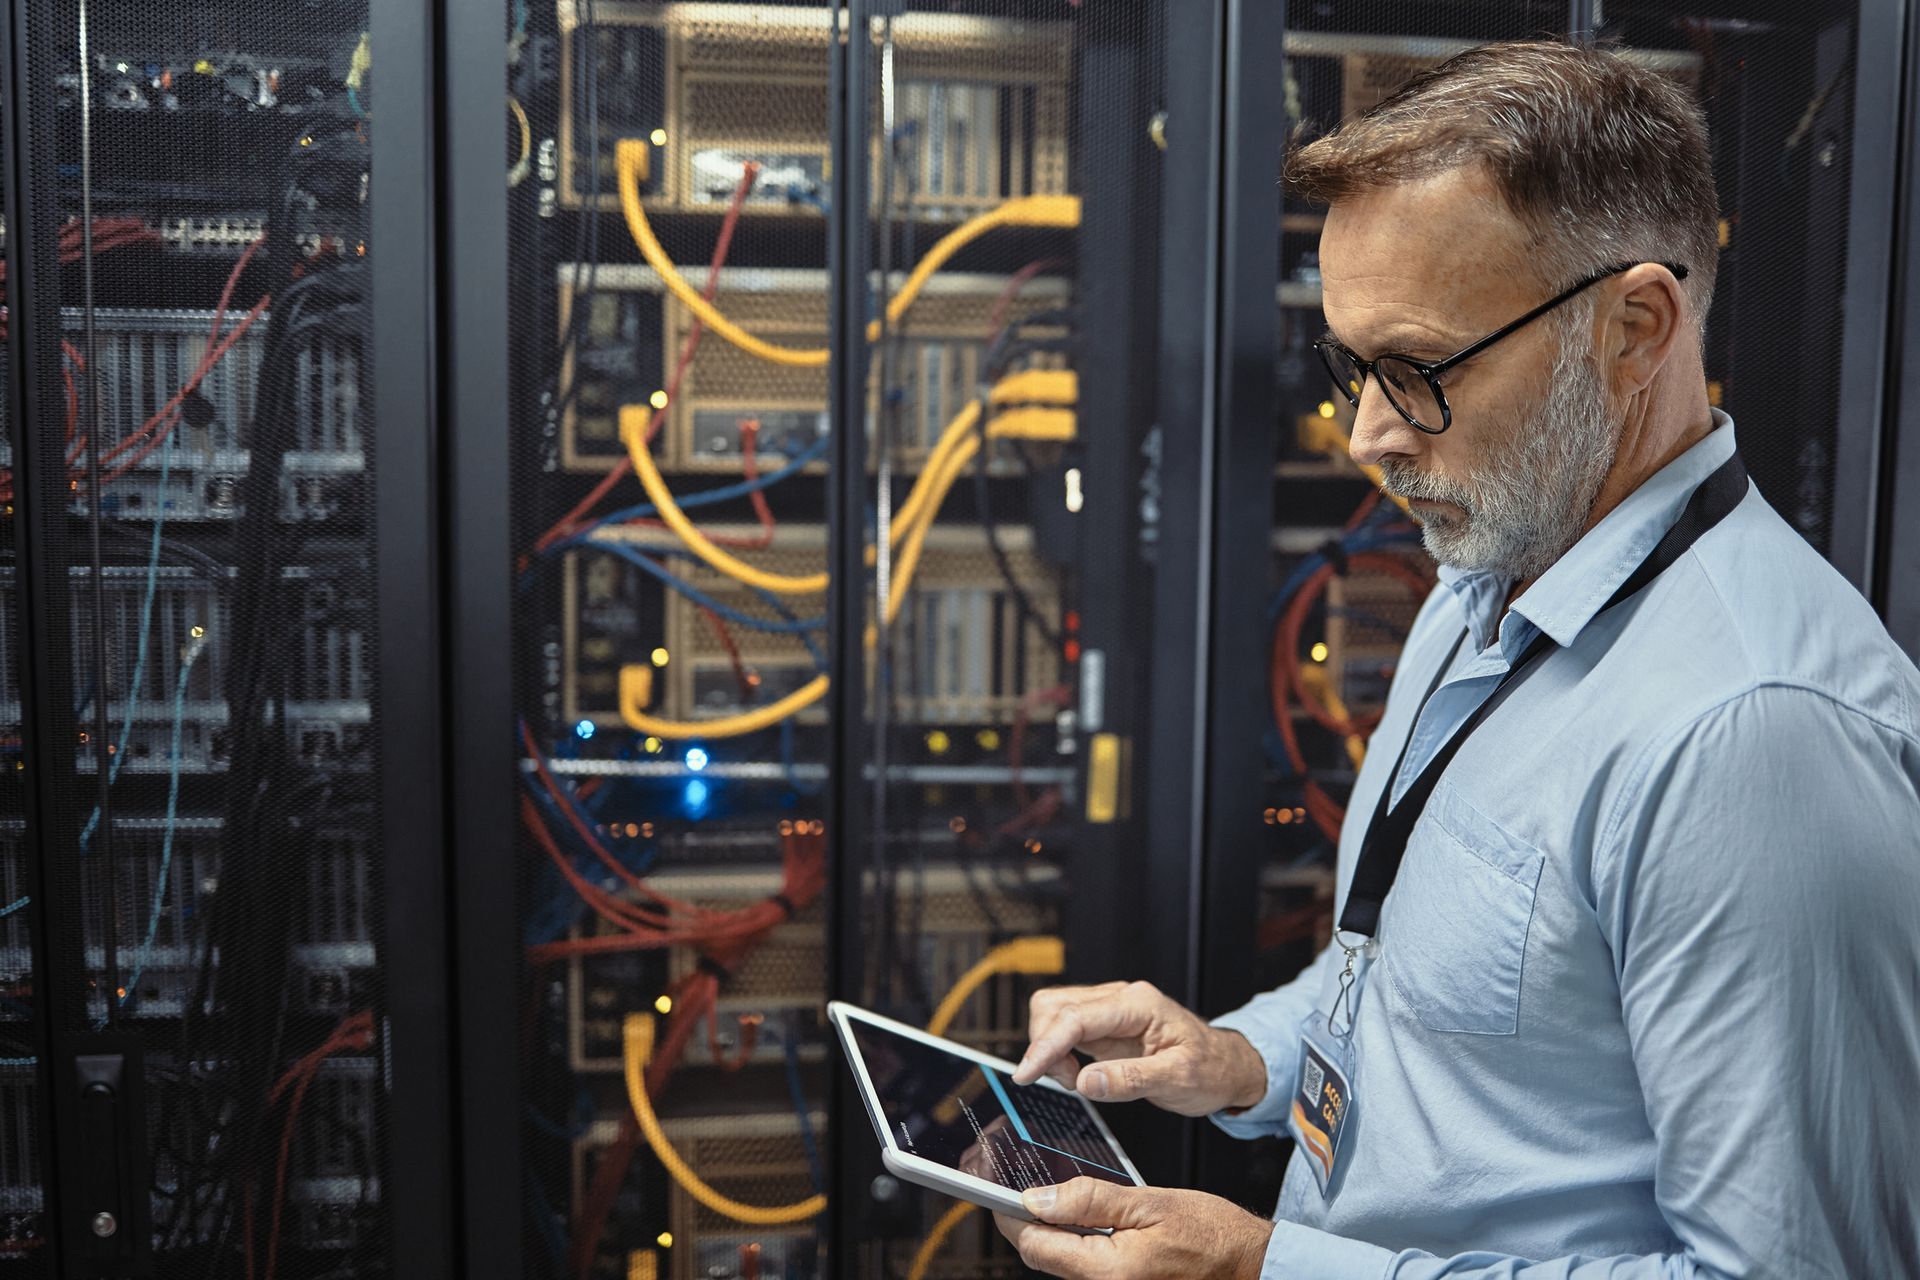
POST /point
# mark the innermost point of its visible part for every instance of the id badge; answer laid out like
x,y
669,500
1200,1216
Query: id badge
x,y
1322,1098
1322,1105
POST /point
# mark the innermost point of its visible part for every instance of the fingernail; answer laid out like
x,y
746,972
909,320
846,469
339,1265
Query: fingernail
x,y
1020,1067
1094,1084
1038,1199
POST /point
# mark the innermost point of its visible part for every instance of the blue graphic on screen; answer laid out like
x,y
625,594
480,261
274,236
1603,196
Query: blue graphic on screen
x,y
957,1113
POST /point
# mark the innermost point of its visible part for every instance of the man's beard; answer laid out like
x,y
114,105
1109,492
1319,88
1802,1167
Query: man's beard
x,y
1530,496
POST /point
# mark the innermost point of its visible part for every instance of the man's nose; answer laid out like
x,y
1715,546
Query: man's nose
x,y
1379,432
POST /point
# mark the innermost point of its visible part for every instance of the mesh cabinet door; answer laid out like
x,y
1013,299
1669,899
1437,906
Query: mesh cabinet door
x,y
24,1225
668,173
195,475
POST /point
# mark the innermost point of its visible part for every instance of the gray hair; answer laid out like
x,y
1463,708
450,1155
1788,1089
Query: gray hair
x,y
1601,160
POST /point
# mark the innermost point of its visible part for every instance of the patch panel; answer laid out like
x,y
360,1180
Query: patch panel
x,y
333,947
983,105
167,978
332,942
328,711
632,333
779,981
190,607
1368,616
968,656
16,954
143,357
133,82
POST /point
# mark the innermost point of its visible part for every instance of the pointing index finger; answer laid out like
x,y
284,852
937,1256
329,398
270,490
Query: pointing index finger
x,y
1058,1032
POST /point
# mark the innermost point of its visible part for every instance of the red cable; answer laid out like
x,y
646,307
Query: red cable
x,y
997,319
803,868
168,414
1287,635
750,466
593,843
568,524
1326,812
629,919
718,625
354,1032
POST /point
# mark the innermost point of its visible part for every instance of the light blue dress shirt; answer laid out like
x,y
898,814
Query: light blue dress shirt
x,y
1646,1001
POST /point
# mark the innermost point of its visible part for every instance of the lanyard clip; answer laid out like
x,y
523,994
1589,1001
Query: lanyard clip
x,y
1366,946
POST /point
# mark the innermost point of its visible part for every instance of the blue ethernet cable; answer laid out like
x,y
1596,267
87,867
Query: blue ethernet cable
x,y
173,808
790,1048
788,624
706,497
140,651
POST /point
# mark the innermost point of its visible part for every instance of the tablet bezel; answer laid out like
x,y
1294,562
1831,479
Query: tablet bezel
x,y
920,1170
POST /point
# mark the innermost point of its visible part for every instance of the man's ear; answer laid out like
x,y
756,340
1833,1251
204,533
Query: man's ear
x,y
1647,318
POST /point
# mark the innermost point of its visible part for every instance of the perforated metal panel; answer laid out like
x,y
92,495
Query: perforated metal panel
x,y
204,622
24,1221
636,659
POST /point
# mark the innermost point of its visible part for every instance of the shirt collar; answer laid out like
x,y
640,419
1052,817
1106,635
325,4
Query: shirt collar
x,y
1567,596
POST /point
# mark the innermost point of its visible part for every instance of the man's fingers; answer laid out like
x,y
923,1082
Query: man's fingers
x,y
1057,1030
1054,1252
1162,1077
1091,1202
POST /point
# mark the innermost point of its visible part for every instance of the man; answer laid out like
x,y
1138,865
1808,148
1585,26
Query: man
x,y
1629,986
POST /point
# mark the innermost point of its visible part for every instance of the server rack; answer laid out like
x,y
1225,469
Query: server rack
x,y
216,537
964,759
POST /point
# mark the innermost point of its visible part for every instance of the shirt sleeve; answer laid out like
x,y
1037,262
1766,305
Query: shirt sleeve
x,y
1758,882
1271,1024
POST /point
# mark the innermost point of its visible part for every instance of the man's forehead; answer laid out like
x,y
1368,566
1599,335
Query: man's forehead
x,y
1435,257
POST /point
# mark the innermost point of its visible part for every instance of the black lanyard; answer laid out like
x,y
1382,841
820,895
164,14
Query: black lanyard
x,y
1385,843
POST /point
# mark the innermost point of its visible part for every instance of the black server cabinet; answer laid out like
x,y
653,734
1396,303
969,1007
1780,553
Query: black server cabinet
x,y
210,512
807,451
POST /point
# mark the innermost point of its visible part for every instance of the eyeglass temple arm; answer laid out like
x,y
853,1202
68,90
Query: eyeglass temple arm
x,y
1679,273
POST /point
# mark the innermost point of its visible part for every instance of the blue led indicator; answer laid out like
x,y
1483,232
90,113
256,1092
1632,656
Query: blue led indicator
x,y
696,797
696,758
584,729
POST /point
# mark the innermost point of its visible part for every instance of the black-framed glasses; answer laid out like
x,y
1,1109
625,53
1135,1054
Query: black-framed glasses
x,y
1412,386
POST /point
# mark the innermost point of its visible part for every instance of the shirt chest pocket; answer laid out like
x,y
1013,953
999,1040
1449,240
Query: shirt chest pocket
x,y
1454,930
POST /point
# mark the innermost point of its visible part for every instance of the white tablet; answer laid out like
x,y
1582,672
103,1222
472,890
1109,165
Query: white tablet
x,y
951,1118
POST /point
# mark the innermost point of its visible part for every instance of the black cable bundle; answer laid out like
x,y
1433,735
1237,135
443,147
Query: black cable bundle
x,y
229,1059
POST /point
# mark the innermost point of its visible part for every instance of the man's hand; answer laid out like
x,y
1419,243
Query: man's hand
x,y
1156,1232
1144,1046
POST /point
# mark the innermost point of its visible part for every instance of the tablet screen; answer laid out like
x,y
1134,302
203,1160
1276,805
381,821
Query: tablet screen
x,y
967,1116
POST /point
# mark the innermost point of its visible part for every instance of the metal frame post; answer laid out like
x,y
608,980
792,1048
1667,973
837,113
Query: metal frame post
x,y
404,197
478,602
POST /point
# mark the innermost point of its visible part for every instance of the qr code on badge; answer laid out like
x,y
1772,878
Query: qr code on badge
x,y
1311,1078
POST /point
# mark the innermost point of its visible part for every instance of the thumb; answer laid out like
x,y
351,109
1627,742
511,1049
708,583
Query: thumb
x,y
1090,1202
